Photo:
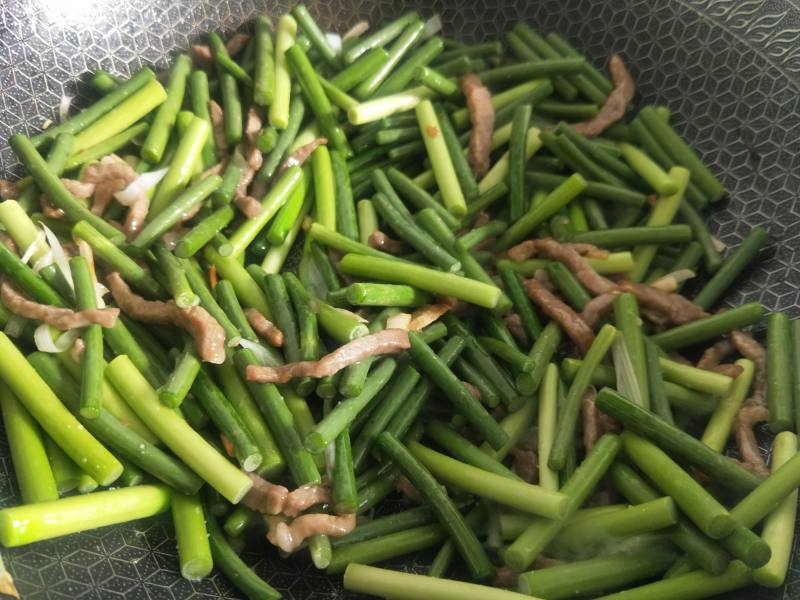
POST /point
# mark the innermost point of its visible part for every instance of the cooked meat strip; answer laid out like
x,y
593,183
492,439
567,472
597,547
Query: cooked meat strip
x,y
290,536
381,241
591,419
272,499
237,41
8,189
252,125
712,357
749,416
208,335
300,156
201,54
751,349
407,490
110,175
578,331
589,278
504,577
60,318
514,324
249,206
616,104
729,369
48,208
218,129
598,306
675,307
264,327
481,115
79,189
525,463
473,391
383,342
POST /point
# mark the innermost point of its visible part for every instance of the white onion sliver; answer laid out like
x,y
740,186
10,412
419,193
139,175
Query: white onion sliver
x,y
63,108
432,26
335,42
45,261
261,353
399,321
15,326
356,30
719,244
43,337
47,123
59,256
140,186
39,242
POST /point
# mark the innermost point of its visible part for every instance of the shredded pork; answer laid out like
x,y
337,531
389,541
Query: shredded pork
x,y
207,333
748,417
384,342
598,306
290,536
515,327
481,115
110,175
218,129
264,327
616,104
383,242
300,156
575,327
60,318
426,315
674,307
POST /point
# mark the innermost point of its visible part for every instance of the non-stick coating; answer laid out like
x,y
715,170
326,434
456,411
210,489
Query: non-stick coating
x,y
728,70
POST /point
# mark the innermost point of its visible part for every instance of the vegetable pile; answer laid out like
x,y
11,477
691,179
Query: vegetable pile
x,y
506,310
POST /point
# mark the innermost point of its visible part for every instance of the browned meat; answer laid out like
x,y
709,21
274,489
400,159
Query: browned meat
x,y
249,206
615,105
598,306
290,536
589,278
713,356
253,125
473,391
504,577
137,213
425,315
380,241
383,342
751,349
749,416
514,324
110,175
588,250
201,54
305,497
407,490
578,331
60,318
729,369
218,129
264,327
526,463
522,251
237,42
8,189
79,189
300,156
529,248
48,208
481,115
208,335
673,306
265,497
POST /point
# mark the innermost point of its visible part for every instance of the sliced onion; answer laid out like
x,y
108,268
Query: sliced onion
x,y
356,30
432,26
45,342
335,42
399,321
719,244
59,255
140,186
39,242
63,108
261,353
44,261
15,326
47,123
670,281
627,384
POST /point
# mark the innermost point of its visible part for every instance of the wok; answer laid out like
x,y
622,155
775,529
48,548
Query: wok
x,y
728,69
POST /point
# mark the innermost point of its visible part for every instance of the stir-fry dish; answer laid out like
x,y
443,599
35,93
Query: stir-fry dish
x,y
369,294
